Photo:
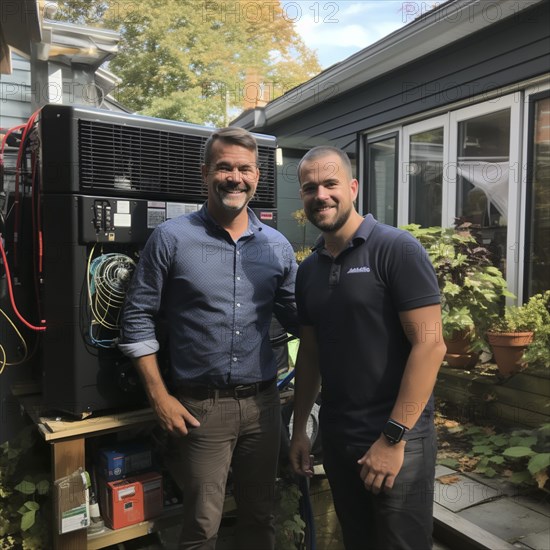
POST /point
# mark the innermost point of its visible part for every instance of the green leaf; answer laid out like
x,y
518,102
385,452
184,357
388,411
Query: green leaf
x,y
490,472
521,477
523,441
42,487
539,462
499,440
26,487
496,459
482,449
518,452
27,520
32,505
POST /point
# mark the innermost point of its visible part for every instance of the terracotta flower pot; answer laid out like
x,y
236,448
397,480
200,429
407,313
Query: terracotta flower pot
x,y
508,348
458,353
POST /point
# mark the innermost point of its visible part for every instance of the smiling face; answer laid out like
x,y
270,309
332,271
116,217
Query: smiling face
x,y
231,177
328,191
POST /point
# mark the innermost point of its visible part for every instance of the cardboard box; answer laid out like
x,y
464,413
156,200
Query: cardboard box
x,y
131,500
124,459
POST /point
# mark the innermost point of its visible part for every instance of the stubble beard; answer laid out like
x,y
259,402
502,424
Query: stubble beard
x,y
330,227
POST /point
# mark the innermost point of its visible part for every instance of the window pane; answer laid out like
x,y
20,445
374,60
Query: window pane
x,y
482,178
382,180
539,220
426,177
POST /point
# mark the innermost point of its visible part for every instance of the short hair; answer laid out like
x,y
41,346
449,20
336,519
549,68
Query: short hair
x,y
322,151
232,135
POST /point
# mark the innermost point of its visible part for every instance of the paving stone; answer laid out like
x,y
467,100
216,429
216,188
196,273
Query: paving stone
x,y
537,541
462,493
506,519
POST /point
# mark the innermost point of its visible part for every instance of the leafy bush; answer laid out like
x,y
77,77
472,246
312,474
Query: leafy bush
x,y
534,316
519,456
24,493
472,288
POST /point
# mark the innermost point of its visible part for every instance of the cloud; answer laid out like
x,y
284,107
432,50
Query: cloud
x,y
340,28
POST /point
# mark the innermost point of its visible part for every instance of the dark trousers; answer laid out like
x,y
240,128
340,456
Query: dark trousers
x,y
243,434
401,519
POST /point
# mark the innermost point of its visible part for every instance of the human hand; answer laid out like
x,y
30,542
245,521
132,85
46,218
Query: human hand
x,y
174,417
299,455
381,464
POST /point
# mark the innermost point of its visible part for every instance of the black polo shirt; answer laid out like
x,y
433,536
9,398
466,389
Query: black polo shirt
x,y
353,301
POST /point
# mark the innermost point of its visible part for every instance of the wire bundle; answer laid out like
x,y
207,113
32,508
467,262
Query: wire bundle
x,y
109,276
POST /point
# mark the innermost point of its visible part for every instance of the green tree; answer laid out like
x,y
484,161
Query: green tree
x,y
198,60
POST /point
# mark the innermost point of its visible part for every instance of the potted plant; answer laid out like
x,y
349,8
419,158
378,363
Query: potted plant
x,y
472,289
522,335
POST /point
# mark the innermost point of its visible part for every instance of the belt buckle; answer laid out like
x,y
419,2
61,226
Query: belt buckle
x,y
243,390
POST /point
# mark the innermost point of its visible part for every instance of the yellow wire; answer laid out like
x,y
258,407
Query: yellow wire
x,y
23,341
3,364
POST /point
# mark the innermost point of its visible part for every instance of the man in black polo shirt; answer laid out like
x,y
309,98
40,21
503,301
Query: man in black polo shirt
x,y
369,308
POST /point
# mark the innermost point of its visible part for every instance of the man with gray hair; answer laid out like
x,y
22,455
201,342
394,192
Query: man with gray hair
x,y
217,276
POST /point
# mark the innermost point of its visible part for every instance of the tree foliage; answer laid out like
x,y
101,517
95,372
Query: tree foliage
x,y
198,60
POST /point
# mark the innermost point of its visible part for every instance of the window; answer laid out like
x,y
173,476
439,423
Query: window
x,y
382,179
464,164
425,170
483,169
537,256
424,160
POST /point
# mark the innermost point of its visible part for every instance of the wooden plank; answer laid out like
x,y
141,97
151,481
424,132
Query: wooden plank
x,y
522,400
67,428
458,532
531,406
109,537
67,457
537,403
529,382
505,414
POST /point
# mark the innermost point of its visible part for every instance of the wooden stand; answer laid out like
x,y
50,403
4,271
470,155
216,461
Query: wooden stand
x,y
67,439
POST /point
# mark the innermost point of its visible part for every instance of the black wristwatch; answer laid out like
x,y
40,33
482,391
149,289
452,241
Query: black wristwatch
x,y
394,431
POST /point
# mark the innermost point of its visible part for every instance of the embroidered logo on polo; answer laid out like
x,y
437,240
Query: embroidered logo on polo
x,y
363,269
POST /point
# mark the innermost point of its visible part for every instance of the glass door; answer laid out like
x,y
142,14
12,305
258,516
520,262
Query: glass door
x,y
484,176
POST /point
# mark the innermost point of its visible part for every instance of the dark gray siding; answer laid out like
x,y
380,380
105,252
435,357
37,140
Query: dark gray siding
x,y
503,54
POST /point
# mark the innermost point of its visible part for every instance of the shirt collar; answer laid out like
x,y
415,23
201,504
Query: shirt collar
x,y
360,236
254,224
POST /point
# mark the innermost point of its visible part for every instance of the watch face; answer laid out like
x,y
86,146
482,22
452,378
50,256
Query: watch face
x,y
393,431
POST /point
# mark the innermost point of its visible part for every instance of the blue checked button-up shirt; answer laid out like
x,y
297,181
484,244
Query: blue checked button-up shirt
x,y
215,296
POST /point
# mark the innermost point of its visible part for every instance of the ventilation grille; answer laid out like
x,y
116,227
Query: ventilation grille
x,y
156,163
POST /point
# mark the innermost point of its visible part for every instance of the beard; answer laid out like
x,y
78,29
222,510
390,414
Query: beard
x,y
328,226
234,202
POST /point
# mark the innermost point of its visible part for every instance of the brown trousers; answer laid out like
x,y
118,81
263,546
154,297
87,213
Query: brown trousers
x,y
243,434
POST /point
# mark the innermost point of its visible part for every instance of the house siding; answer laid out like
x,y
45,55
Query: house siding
x,y
15,94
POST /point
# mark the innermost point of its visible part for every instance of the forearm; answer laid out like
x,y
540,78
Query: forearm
x,y
149,373
423,328
417,384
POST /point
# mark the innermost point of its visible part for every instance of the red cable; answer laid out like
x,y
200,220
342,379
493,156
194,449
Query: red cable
x,y
5,138
10,290
16,202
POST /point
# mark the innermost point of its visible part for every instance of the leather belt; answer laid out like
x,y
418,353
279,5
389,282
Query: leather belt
x,y
242,391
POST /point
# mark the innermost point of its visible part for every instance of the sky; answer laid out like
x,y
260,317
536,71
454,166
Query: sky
x,y
338,29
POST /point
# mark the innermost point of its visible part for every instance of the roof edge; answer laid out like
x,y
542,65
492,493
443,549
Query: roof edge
x,y
453,20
